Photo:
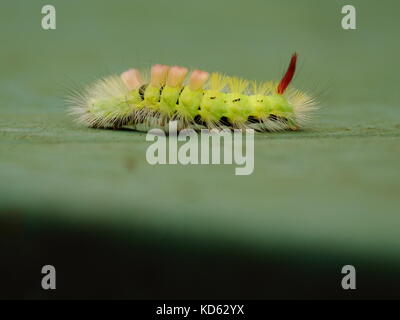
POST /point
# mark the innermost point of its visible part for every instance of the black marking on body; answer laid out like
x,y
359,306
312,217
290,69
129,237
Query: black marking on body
x,y
236,100
225,121
142,89
179,95
273,117
197,119
253,119
283,120
161,90
212,98
276,118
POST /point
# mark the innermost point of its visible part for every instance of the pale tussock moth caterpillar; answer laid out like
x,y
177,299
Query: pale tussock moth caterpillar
x,y
203,101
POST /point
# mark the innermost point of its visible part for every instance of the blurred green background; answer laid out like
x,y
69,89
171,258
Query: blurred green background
x,y
325,196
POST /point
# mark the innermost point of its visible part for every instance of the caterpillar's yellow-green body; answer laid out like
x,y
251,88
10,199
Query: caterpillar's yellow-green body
x,y
222,102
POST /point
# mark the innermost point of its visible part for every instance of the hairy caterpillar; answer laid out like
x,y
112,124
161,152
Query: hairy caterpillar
x,y
204,101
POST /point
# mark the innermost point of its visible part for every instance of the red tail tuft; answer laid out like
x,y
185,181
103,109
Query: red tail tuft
x,y
287,78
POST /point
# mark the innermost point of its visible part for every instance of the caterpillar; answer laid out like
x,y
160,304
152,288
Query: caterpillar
x,y
213,101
